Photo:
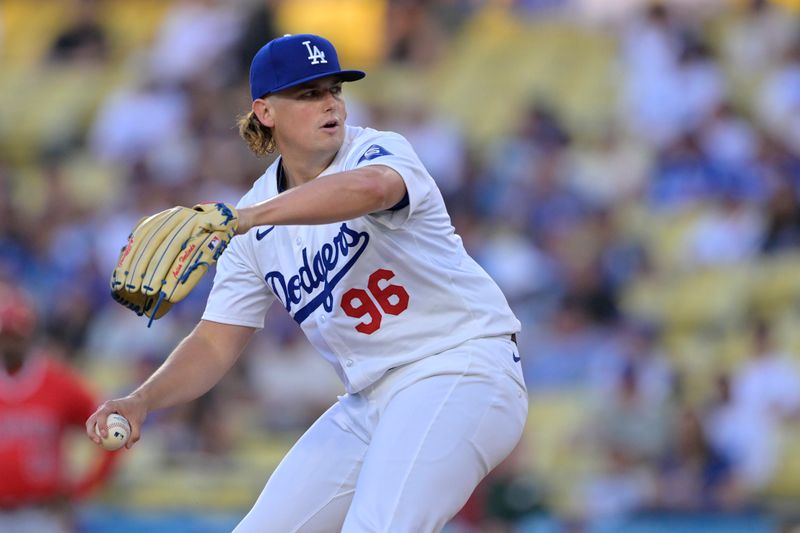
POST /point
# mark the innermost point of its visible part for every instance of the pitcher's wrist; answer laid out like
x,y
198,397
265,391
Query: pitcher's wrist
x,y
245,220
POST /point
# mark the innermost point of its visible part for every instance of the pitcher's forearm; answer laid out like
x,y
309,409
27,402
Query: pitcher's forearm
x,y
326,199
191,370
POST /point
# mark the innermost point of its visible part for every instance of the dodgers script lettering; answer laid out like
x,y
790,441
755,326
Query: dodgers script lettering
x,y
323,268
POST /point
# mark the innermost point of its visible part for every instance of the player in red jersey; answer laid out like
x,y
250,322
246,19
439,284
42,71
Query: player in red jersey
x,y
41,399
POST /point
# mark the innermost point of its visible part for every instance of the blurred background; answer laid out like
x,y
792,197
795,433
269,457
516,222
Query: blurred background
x,y
628,172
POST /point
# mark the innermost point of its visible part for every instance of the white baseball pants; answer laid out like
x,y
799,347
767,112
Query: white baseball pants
x,y
404,454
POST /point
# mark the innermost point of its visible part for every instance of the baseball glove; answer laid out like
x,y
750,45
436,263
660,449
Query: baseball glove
x,y
168,253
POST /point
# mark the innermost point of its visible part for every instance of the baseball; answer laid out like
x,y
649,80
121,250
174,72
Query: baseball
x,y
118,432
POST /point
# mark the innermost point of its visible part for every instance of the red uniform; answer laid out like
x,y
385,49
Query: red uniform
x,y
38,404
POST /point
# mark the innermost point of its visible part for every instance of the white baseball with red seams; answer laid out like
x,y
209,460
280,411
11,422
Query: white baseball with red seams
x,y
119,430
419,334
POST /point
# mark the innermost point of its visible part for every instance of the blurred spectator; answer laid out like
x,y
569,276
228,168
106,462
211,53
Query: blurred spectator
x,y
259,25
193,41
544,129
782,219
527,178
221,167
83,39
728,233
110,223
562,351
631,431
288,376
621,257
136,123
768,384
413,35
777,162
637,351
452,14
672,80
41,400
15,258
750,409
743,445
728,138
441,145
554,208
520,269
631,424
514,158
530,165
754,39
610,169
681,176
586,284
778,101
618,491
114,332
70,317
700,81
200,430
693,475
732,144
651,98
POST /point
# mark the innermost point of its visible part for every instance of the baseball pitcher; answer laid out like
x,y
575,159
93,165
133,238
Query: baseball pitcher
x,y
348,232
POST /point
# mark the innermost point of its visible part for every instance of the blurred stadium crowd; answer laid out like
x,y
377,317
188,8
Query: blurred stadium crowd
x,y
629,173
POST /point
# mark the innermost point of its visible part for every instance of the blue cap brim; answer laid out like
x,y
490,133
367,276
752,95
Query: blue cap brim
x,y
345,75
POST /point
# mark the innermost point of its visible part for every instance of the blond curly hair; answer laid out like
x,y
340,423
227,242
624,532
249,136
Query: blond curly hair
x,y
257,136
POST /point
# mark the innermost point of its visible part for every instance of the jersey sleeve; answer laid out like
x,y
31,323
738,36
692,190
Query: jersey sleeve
x,y
239,296
394,151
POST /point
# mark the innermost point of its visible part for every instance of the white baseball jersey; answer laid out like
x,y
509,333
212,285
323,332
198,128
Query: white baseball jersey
x,y
372,293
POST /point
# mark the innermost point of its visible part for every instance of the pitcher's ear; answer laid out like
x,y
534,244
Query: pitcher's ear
x,y
263,110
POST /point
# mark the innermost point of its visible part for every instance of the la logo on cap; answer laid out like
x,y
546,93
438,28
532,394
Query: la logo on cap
x,y
292,60
315,55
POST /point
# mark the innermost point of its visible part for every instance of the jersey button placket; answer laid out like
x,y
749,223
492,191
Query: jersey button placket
x,y
348,362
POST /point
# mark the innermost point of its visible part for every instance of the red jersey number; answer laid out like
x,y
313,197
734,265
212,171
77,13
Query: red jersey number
x,y
392,299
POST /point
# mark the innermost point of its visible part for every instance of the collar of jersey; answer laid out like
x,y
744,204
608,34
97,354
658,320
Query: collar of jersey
x,y
281,175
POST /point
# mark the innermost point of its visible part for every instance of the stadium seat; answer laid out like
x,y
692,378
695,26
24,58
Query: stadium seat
x,y
28,30
665,234
495,49
786,483
556,450
710,298
132,24
776,284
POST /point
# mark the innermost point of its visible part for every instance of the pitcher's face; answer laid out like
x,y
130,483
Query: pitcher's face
x,y
307,118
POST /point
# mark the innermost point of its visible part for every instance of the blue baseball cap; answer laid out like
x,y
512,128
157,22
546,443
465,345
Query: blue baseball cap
x,y
294,59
